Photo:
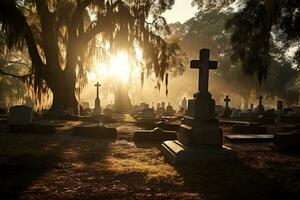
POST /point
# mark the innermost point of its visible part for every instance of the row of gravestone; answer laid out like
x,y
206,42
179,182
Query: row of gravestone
x,y
199,137
21,121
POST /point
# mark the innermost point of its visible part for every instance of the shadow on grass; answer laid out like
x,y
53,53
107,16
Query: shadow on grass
x,y
230,180
25,158
19,173
94,150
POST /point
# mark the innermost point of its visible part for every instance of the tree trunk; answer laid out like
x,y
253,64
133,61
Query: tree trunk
x,y
63,89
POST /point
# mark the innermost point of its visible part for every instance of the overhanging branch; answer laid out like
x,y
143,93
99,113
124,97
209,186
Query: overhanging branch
x,y
3,73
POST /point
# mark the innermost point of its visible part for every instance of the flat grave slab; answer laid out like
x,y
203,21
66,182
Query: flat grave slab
x,y
249,129
164,126
250,138
176,153
287,140
289,119
155,135
225,121
95,131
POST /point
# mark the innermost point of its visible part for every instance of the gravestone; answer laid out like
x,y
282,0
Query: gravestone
x,y
191,107
20,114
200,137
20,121
227,110
146,116
251,106
279,105
260,108
235,113
184,103
97,109
155,135
108,112
246,115
170,110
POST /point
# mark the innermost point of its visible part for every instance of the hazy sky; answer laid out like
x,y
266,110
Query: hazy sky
x,y
181,11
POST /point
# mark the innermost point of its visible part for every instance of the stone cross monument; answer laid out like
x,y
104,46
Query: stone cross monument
x,y
260,108
227,100
199,137
97,109
227,110
204,65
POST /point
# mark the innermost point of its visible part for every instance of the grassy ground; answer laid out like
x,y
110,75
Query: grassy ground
x,y
65,167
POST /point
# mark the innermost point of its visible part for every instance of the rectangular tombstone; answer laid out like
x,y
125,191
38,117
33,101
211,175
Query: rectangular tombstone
x,y
191,108
20,115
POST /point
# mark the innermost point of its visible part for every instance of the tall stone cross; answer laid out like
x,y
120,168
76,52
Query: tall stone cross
x,y
227,100
204,65
97,85
260,99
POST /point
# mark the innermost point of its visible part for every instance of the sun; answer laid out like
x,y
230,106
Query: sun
x,y
119,68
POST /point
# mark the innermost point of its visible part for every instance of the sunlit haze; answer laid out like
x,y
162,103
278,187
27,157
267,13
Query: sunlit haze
x,y
181,11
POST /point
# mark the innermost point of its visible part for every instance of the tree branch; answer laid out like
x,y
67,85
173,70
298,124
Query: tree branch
x,y
14,75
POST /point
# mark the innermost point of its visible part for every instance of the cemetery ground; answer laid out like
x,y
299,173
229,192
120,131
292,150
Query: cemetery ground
x,y
63,166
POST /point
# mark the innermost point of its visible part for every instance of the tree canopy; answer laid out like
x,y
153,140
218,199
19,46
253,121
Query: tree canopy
x,y
64,38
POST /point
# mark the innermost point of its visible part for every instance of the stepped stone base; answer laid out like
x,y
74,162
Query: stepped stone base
x,y
176,153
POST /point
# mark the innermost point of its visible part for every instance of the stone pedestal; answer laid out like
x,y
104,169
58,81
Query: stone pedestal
x,y
97,109
199,137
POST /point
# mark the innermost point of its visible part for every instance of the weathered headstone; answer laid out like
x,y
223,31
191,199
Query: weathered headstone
x,y
108,112
184,103
251,106
146,116
97,109
235,113
170,110
20,121
20,114
200,137
279,105
191,107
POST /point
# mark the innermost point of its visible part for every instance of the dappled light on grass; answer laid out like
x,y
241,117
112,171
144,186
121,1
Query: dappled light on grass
x,y
126,159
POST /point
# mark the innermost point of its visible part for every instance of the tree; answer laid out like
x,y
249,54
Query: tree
x,y
64,38
206,29
256,26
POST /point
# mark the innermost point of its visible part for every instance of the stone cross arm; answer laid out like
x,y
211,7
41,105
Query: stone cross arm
x,y
204,65
97,85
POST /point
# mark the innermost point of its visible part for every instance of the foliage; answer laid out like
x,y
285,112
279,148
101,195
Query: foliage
x,y
65,38
252,29
206,30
